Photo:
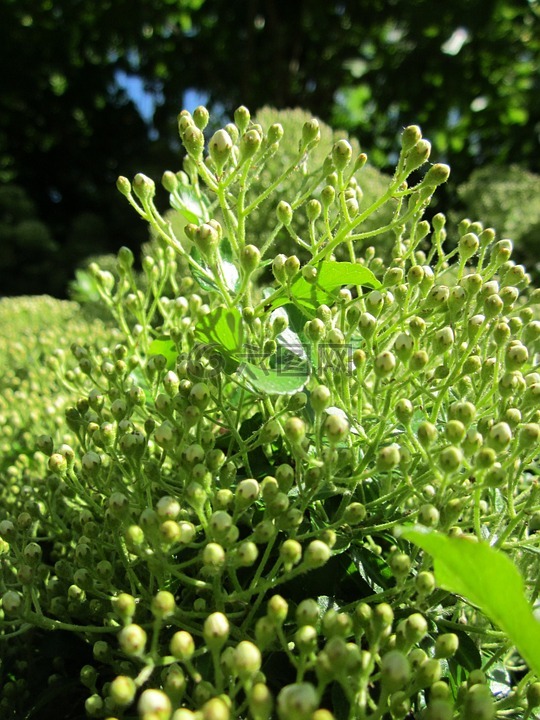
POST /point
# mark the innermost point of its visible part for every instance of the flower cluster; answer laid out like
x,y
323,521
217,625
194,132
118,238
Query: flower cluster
x,y
214,515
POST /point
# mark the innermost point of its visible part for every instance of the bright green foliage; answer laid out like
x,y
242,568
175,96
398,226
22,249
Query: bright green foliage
x,y
214,515
488,579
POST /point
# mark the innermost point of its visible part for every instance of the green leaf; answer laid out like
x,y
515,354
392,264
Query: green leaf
x,y
331,277
230,271
487,578
192,206
223,327
274,382
166,347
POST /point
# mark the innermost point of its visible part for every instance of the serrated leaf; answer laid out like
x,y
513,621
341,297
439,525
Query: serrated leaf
x,y
166,347
330,278
222,328
230,271
487,578
274,382
192,206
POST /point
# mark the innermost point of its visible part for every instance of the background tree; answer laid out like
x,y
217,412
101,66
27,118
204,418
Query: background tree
x,y
466,71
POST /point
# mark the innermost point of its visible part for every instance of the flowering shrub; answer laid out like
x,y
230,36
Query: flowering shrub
x,y
509,199
231,519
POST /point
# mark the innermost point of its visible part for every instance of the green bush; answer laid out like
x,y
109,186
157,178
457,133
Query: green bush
x,y
228,521
507,198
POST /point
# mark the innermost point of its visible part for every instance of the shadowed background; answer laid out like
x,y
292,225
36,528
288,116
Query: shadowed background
x,y
92,90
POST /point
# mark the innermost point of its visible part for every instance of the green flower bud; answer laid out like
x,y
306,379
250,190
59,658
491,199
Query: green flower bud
x,y
485,458
426,433
58,464
274,134
404,346
410,137
201,117
169,182
476,677
438,709
437,296
295,430
298,701
132,639
384,364
443,339
284,213
155,703
446,645
428,515
417,156
122,690
354,513
143,187
382,619
533,695
500,436
163,604
260,701
472,284
495,476
247,659
249,144
468,245
404,410
220,147
427,673
247,553
124,606
317,554
291,552
328,195
472,442
94,705
400,704
307,612
367,324
213,556
250,258
493,306
336,428
450,459
182,645
457,299
310,274
311,134
389,457
516,356
123,185
313,210
478,704
437,175
529,435
11,601
424,583
216,630
454,431
464,411
305,639
242,117
400,564
395,670
193,140
341,154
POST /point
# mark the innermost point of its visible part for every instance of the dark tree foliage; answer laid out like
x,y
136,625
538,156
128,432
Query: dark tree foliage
x,y
67,129
467,71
